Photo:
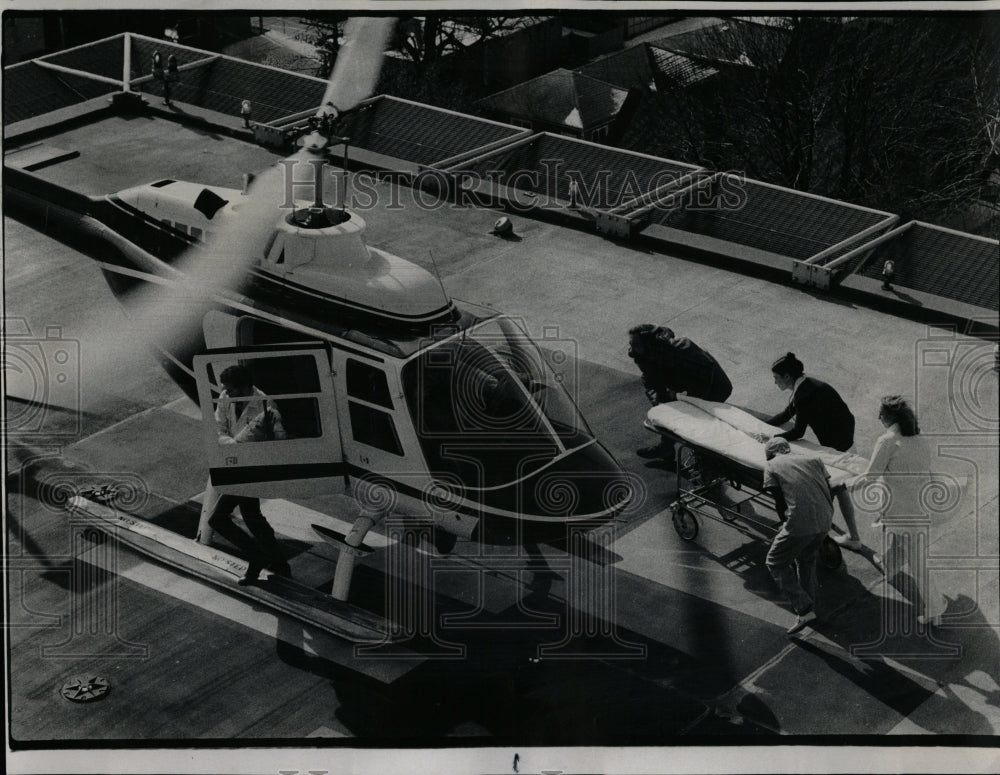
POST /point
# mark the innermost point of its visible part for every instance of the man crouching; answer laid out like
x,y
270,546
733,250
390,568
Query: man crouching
x,y
670,365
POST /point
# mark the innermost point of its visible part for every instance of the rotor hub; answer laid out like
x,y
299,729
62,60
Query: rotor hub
x,y
318,217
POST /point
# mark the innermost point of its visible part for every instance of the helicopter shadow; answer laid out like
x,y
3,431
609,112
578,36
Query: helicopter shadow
x,y
500,691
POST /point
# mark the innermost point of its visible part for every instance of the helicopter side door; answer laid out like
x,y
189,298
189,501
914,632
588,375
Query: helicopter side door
x,y
294,451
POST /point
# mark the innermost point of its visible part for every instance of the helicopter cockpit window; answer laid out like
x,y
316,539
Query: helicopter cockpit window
x,y
487,406
209,203
292,387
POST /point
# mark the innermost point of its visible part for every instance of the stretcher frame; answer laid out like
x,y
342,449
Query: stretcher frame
x,y
692,463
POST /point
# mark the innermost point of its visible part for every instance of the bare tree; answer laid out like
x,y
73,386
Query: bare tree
x,y
427,39
324,30
899,114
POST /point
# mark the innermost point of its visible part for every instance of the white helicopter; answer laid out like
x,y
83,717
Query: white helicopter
x,y
387,388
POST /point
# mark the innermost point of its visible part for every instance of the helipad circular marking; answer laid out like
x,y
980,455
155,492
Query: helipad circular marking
x,y
85,689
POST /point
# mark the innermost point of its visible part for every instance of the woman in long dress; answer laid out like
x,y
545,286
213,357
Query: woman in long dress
x,y
901,461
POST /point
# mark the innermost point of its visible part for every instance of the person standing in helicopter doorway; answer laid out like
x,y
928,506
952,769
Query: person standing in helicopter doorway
x,y
245,414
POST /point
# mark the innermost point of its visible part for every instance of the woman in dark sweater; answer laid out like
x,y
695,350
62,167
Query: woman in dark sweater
x,y
816,405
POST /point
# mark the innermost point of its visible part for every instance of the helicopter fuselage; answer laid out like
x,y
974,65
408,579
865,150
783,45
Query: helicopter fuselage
x,y
417,405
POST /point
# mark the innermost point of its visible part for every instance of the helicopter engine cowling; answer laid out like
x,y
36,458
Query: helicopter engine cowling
x,y
317,253
321,251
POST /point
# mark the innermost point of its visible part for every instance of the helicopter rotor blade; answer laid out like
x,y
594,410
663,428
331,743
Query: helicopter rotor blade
x,y
170,313
359,62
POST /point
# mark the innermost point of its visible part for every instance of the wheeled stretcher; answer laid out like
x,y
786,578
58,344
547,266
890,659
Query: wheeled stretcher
x,y
715,446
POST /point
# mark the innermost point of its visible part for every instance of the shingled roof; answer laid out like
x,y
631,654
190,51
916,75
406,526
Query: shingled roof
x,y
733,42
929,259
560,98
647,66
624,69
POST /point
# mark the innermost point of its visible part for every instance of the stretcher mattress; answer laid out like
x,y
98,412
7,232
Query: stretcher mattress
x,y
724,430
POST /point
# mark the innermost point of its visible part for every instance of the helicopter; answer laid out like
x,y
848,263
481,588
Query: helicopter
x,y
388,389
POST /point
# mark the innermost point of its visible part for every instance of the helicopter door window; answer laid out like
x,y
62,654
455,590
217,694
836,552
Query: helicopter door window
x,y
303,456
196,232
291,384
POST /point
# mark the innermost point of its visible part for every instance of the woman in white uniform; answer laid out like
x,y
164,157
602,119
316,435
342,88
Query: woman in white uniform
x,y
901,460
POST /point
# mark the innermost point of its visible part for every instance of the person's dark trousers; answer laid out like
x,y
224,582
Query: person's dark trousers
x,y
263,551
791,561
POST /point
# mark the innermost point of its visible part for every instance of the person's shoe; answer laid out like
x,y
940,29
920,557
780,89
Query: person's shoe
x,y
844,540
656,450
281,568
252,574
802,622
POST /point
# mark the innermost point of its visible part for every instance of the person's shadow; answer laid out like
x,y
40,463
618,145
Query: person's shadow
x,y
912,672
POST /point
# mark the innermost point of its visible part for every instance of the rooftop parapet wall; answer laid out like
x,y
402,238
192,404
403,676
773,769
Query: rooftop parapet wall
x,y
558,170
31,90
421,134
221,83
934,260
752,223
790,223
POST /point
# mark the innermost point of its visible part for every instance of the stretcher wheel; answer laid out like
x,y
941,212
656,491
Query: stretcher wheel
x,y
685,523
829,554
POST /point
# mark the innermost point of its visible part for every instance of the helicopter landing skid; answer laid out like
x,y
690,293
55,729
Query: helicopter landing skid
x,y
339,540
220,568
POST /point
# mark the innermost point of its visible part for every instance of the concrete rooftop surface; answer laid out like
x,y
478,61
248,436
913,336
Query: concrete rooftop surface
x,y
717,667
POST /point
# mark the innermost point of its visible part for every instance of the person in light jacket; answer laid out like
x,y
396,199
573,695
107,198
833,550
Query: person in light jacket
x,y
800,486
245,414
